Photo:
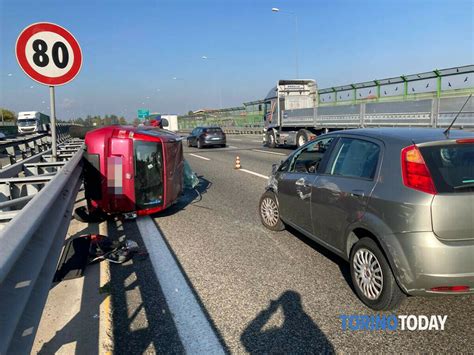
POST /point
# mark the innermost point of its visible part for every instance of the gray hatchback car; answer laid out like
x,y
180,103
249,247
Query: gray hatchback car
x,y
396,203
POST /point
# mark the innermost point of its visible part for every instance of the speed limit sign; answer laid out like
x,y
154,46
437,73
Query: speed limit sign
x,y
48,54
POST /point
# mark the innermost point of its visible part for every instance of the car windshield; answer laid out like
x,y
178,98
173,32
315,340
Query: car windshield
x,y
451,166
148,174
25,123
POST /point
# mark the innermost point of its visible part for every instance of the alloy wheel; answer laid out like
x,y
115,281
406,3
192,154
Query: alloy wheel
x,y
368,273
269,211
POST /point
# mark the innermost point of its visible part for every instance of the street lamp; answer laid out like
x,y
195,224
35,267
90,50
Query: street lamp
x,y
276,9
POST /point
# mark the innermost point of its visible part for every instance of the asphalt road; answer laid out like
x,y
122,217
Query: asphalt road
x,y
261,291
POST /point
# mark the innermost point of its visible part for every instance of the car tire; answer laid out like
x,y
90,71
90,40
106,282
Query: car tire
x,y
302,137
369,265
189,143
271,140
269,212
198,144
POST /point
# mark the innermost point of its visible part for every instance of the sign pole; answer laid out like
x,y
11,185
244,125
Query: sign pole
x,y
53,123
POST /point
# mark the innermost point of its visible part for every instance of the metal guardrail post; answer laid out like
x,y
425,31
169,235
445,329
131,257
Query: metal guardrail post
x,y
31,243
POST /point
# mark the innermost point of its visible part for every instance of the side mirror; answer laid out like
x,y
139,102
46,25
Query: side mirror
x,y
275,168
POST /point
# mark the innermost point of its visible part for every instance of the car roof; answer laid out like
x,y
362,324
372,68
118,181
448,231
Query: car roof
x,y
408,134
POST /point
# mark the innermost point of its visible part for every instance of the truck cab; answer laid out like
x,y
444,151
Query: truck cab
x,y
32,122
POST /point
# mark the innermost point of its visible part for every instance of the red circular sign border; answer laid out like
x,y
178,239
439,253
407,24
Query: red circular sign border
x,y
22,40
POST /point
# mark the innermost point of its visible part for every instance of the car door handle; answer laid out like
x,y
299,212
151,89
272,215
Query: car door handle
x,y
357,193
301,182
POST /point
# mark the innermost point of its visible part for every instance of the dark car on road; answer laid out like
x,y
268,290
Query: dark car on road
x,y
396,203
207,137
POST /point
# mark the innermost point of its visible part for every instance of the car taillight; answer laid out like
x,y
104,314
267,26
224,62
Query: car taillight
x,y
415,173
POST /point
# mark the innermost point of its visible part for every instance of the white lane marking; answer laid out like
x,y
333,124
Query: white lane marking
x,y
231,146
234,139
254,173
198,156
195,332
268,152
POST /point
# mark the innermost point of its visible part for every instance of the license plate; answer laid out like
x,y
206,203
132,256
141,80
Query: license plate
x,y
215,138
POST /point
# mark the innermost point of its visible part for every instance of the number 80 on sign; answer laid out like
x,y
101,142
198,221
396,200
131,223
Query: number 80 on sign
x,y
48,53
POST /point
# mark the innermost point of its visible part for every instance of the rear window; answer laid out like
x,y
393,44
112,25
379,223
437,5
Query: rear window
x,y
212,130
451,166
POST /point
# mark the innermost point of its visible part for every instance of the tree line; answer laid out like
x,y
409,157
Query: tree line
x,y
98,120
7,115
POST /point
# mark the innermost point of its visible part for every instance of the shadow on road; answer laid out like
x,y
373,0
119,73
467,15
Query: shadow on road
x,y
85,338
297,334
142,322
341,263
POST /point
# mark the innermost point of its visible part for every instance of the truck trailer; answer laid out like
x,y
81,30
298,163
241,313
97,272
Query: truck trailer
x,y
295,111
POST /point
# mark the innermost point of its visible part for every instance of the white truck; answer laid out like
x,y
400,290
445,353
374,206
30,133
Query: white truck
x,y
296,111
32,122
170,122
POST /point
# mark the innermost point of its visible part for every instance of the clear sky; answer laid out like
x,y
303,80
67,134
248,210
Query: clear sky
x,y
148,53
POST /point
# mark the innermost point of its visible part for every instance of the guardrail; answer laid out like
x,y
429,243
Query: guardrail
x,y
244,130
17,149
235,130
31,242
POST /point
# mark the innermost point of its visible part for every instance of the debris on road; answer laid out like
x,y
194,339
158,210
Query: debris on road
x,y
74,258
190,178
90,248
116,252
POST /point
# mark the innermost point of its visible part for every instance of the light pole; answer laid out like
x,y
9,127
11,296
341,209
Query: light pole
x,y
205,57
276,9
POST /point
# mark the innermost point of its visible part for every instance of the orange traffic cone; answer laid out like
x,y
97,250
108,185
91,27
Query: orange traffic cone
x,y
237,162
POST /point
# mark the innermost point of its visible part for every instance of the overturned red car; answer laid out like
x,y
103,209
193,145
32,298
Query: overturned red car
x,y
132,170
